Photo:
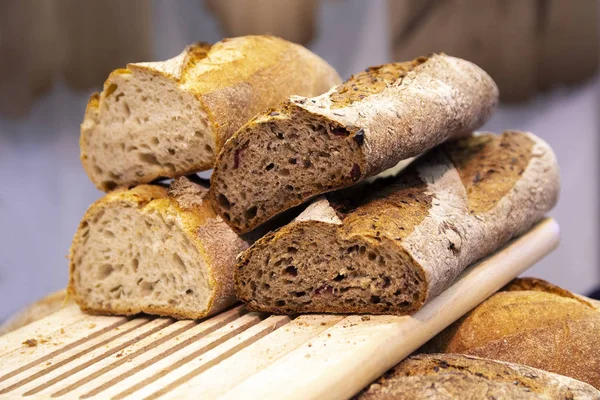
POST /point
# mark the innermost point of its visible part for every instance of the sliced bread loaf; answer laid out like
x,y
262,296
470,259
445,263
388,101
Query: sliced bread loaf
x,y
454,376
166,119
156,251
390,246
377,118
534,323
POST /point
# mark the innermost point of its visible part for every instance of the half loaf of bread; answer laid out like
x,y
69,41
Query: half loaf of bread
x,y
377,118
454,376
388,247
534,323
155,251
166,119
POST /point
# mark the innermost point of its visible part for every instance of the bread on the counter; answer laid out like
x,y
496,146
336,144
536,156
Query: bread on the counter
x,y
156,251
171,118
310,146
533,323
454,376
389,247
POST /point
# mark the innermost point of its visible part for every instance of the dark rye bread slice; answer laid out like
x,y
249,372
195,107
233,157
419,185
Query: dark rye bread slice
x,y
377,118
171,118
388,247
454,376
155,251
530,322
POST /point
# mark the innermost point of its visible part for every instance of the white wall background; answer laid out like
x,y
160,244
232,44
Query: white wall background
x,y
44,190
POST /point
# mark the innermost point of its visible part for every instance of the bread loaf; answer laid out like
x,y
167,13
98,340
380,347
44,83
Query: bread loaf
x,y
391,246
155,251
166,119
533,323
309,146
453,376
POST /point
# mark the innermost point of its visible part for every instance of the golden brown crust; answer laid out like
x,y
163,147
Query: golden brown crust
x,y
371,81
544,328
217,244
446,376
391,207
232,80
490,168
537,284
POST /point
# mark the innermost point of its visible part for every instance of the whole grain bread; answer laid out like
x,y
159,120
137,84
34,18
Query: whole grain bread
x,y
38,310
309,146
155,251
170,118
389,247
454,376
534,323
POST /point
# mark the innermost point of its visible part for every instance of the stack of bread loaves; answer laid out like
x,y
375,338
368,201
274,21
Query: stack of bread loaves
x,y
280,130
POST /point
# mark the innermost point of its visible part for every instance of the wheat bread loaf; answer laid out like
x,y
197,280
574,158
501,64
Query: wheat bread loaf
x,y
454,376
170,118
533,323
154,250
309,146
388,247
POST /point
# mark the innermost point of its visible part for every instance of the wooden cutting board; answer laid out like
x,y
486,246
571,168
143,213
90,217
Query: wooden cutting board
x,y
239,354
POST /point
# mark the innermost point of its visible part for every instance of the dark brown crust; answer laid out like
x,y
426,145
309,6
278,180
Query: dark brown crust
x,y
371,81
490,168
444,376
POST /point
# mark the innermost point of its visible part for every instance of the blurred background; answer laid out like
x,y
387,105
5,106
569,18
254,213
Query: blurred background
x,y
544,55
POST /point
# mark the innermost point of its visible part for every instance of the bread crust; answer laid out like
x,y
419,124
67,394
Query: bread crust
x,y
215,242
232,81
445,376
432,100
427,201
533,323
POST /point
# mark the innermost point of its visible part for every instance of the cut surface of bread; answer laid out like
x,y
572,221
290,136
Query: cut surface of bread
x,y
390,246
310,146
534,323
170,118
454,376
153,251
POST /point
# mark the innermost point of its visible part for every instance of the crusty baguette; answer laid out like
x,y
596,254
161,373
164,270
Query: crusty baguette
x,y
392,246
533,323
156,251
166,119
454,376
360,128
40,309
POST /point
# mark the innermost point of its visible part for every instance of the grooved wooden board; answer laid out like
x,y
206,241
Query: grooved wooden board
x,y
239,354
